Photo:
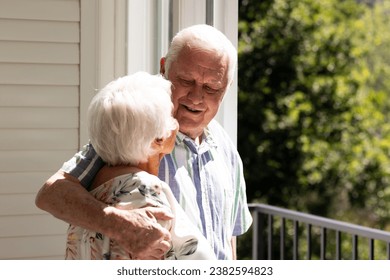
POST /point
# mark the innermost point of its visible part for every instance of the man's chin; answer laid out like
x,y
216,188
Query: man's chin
x,y
190,132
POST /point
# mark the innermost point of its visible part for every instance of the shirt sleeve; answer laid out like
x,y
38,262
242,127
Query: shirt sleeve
x,y
243,217
84,165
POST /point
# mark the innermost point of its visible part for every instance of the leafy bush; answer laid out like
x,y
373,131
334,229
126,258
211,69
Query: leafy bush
x,y
314,129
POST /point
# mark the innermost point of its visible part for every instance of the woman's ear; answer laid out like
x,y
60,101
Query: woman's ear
x,y
159,141
162,66
158,144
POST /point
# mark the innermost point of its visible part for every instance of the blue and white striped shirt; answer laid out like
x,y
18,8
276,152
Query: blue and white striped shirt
x,y
206,179
208,182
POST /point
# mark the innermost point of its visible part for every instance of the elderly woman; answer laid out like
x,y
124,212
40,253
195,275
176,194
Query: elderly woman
x,y
131,127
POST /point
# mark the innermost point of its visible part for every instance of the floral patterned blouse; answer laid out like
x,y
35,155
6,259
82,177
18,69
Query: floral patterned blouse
x,y
130,191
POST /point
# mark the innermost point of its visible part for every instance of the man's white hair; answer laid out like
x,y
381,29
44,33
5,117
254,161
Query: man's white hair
x,y
203,37
127,115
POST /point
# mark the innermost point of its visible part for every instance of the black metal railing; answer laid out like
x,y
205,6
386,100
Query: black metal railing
x,y
273,238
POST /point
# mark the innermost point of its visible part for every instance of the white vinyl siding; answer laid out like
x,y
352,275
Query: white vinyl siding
x,y
39,118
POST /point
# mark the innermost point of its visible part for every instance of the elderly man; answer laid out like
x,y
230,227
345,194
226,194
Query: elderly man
x,y
204,170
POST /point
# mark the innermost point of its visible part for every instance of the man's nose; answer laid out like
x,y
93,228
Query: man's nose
x,y
196,94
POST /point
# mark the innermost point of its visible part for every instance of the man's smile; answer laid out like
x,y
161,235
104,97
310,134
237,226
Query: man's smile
x,y
192,110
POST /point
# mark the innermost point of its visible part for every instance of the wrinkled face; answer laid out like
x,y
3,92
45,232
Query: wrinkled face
x,y
199,82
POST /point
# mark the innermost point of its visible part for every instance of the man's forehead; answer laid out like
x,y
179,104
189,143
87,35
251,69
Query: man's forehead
x,y
206,74
193,67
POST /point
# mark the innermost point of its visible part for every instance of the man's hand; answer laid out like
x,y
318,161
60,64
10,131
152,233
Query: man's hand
x,y
138,232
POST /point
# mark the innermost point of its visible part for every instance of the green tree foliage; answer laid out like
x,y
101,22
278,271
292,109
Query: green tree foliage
x,y
314,88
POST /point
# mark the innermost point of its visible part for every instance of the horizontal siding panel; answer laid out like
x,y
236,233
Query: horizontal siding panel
x,y
26,117
18,226
18,204
39,74
39,52
38,139
39,31
61,10
39,96
33,161
32,247
24,182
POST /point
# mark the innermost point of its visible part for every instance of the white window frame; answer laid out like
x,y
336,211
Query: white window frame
x,y
103,50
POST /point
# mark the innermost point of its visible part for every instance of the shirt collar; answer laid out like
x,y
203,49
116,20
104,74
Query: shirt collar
x,y
207,141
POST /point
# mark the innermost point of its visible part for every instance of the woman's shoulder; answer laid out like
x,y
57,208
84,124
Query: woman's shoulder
x,y
148,179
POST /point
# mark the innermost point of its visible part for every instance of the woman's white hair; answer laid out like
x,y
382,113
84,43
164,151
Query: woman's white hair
x,y
127,115
203,37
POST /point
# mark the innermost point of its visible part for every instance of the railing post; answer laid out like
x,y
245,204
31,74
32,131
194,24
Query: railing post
x,y
338,245
282,238
371,248
323,243
270,235
308,240
296,245
355,253
255,235
261,245
388,250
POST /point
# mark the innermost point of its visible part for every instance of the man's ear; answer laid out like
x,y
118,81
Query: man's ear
x,y
162,66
